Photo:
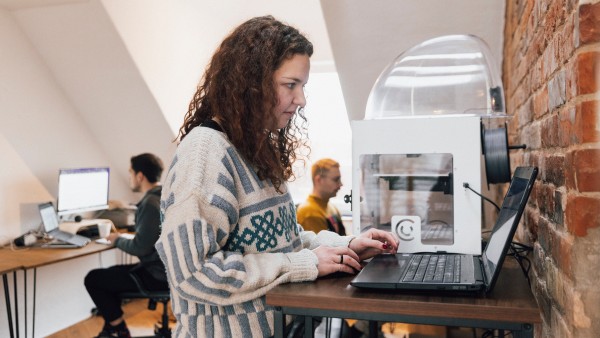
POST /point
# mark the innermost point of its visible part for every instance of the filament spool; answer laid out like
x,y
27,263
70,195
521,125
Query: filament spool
x,y
495,151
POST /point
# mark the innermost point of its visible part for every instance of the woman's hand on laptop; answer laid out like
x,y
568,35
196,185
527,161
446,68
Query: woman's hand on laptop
x,y
336,259
373,242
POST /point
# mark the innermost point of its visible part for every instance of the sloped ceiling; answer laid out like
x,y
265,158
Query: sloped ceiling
x,y
89,61
358,38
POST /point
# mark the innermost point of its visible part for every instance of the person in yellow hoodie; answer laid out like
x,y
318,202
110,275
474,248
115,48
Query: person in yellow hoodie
x,y
316,213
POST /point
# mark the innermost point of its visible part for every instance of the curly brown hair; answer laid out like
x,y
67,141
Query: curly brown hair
x,y
238,88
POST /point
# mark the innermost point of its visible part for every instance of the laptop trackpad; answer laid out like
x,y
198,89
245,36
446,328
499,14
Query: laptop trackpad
x,y
383,269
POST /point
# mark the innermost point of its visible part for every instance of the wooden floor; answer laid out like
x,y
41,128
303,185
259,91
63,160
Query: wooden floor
x,y
139,319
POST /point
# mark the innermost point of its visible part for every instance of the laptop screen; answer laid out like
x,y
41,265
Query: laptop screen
x,y
48,215
510,213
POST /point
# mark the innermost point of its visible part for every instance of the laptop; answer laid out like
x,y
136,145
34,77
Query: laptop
x,y
451,272
60,239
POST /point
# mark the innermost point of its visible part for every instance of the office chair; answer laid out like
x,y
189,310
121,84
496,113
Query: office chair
x,y
154,297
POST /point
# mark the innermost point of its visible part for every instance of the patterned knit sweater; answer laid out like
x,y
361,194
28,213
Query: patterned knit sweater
x,y
227,239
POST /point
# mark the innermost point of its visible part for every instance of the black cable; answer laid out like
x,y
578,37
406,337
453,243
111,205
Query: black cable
x,y
519,252
466,185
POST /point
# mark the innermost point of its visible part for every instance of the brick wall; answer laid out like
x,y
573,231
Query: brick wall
x,y
551,74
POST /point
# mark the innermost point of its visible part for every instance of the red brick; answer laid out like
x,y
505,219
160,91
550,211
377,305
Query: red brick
x,y
570,5
550,131
554,170
562,253
532,221
553,18
589,23
582,214
587,170
570,181
567,118
588,66
531,136
586,122
545,238
557,90
571,81
566,39
540,103
545,200
558,217
538,43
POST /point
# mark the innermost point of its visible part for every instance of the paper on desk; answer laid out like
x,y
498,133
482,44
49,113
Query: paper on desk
x,y
103,241
127,236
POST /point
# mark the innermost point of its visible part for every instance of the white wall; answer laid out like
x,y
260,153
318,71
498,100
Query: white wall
x,y
40,132
171,42
329,136
90,63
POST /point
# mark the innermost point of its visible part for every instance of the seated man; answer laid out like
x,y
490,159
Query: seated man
x,y
104,285
316,213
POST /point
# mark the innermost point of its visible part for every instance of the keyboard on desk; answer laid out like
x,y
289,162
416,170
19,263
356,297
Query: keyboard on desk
x,y
434,268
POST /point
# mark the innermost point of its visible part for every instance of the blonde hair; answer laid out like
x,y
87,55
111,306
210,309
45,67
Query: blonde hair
x,y
322,167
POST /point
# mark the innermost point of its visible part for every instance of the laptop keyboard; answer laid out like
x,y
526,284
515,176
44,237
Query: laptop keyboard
x,y
433,269
63,236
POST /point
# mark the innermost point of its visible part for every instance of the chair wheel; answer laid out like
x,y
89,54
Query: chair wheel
x,y
95,311
160,332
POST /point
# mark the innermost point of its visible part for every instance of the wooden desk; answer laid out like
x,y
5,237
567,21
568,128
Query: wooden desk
x,y
34,257
12,261
510,306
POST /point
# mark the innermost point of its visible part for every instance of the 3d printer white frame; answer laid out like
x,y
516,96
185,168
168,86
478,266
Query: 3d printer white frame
x,y
459,135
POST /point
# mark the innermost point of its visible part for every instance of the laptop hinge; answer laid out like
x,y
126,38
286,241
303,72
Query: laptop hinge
x,y
480,275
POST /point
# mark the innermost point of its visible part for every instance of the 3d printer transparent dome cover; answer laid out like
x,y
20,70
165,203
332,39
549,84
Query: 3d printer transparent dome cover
x,y
453,74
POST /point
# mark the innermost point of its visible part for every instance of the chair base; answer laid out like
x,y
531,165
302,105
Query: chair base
x,y
161,329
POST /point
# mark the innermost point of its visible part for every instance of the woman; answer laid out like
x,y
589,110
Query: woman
x,y
229,233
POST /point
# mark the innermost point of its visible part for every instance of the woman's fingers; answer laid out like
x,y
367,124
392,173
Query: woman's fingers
x,y
334,259
350,261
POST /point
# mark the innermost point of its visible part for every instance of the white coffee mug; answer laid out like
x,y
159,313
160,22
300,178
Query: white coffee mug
x,y
104,229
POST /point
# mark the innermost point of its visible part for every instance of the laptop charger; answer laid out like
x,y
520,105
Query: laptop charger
x,y
25,240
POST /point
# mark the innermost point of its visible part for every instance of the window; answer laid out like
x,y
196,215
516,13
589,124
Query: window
x,y
329,136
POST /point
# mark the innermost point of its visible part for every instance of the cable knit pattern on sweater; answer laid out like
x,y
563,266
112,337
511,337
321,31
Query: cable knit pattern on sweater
x,y
227,239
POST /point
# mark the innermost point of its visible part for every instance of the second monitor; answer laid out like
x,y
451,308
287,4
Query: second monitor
x,y
82,190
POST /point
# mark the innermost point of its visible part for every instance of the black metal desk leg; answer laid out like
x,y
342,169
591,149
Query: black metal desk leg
x,y
527,332
279,323
309,328
7,298
34,288
16,303
373,329
25,296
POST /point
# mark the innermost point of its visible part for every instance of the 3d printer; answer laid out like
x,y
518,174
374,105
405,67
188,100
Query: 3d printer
x,y
433,126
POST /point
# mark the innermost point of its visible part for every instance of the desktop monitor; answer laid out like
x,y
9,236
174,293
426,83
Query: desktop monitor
x,y
82,189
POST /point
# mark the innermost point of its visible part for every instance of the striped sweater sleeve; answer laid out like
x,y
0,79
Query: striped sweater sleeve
x,y
225,237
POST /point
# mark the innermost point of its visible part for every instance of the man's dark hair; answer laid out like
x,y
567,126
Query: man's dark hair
x,y
150,165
